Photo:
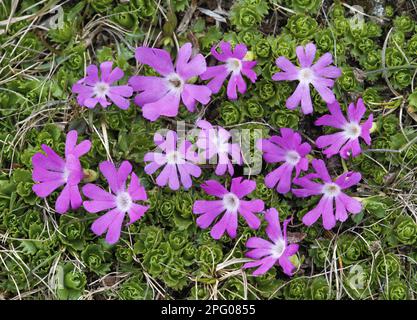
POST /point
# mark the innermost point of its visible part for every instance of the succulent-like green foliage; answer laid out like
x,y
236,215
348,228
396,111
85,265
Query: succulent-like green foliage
x,y
404,23
406,230
124,17
246,14
134,289
72,233
93,257
319,289
396,290
359,281
350,248
387,265
302,27
71,282
304,6
296,289
230,113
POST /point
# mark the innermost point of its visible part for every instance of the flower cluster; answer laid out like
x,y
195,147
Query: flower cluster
x,y
51,172
161,96
178,161
288,149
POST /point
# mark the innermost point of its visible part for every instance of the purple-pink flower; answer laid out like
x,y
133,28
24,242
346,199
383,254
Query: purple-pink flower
x,y
119,201
234,64
320,75
345,142
214,145
288,150
95,89
231,203
268,253
50,172
175,159
331,191
161,96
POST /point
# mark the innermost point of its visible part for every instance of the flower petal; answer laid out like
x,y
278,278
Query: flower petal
x,y
348,179
122,174
321,170
158,59
328,216
273,230
136,212
214,188
306,55
95,192
166,106
352,205
265,265
220,227
62,203
286,265
44,189
193,93
247,209
313,215
95,206
242,187
286,65
136,190
187,68
110,173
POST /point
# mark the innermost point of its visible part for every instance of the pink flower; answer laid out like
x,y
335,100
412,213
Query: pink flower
x,y
235,65
160,96
94,89
320,75
269,253
345,142
232,203
52,172
331,192
120,201
288,150
173,159
214,142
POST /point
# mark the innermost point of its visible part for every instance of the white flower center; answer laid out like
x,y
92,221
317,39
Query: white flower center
x,y
221,146
331,190
65,174
175,83
292,157
101,89
278,249
123,201
231,202
234,65
174,157
352,130
306,75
